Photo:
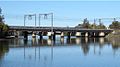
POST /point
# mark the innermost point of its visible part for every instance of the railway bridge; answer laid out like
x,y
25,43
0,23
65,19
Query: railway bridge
x,y
53,31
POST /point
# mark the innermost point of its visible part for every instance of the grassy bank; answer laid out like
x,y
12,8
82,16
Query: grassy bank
x,y
114,38
115,34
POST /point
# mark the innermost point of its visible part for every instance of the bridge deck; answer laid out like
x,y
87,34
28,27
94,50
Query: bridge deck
x,y
71,29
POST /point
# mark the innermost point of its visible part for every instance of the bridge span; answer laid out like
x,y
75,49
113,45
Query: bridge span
x,y
62,31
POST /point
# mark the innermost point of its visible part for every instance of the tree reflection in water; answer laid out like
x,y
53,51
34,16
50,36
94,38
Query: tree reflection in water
x,y
115,43
4,48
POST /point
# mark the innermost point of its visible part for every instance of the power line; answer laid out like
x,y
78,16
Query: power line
x,y
11,16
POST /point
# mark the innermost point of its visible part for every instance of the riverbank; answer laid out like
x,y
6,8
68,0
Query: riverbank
x,y
114,38
114,35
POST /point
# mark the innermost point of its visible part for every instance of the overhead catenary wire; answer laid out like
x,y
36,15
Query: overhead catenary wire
x,y
96,20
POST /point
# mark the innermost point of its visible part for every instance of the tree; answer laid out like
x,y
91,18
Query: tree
x,y
3,27
94,26
86,23
101,26
115,25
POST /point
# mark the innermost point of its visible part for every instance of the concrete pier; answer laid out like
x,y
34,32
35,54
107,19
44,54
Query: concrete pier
x,y
78,34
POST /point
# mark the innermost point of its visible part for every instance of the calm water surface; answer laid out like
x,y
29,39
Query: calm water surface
x,y
74,52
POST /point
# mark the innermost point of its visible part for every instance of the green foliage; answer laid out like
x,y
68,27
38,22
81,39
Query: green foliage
x,y
0,18
3,27
93,26
4,48
115,25
87,25
101,26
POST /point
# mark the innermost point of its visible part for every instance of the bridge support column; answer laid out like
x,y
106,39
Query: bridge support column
x,y
18,33
62,35
96,34
86,34
54,36
15,33
25,34
82,34
78,34
34,35
92,34
68,35
51,35
101,34
41,35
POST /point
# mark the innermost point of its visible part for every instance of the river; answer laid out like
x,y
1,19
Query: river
x,y
74,52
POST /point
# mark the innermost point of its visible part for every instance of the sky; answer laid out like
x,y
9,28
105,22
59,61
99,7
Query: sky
x,y
66,13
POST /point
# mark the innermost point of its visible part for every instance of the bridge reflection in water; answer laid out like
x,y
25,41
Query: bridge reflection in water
x,y
46,51
83,42
36,44
60,41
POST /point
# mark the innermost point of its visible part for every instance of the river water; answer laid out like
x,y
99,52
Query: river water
x,y
74,52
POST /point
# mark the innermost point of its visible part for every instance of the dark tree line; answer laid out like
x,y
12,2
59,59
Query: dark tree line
x,y
3,27
87,25
115,25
